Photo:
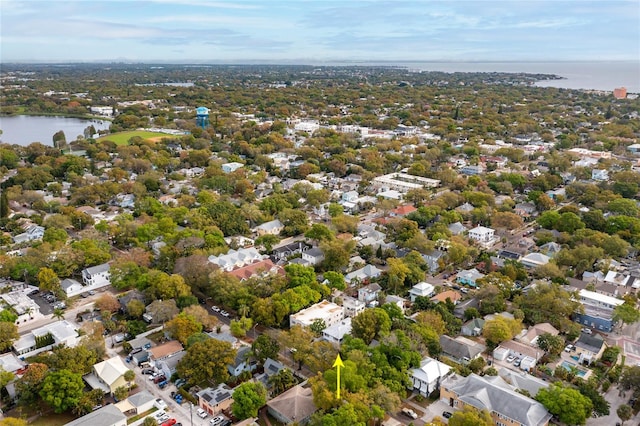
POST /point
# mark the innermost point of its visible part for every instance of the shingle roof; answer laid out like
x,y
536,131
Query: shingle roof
x,y
496,395
296,404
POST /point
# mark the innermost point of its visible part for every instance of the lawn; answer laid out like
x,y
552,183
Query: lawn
x,y
122,138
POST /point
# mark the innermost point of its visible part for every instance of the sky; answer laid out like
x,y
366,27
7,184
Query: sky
x,y
315,31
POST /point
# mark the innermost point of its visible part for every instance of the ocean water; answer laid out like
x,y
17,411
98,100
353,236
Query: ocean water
x,y
575,75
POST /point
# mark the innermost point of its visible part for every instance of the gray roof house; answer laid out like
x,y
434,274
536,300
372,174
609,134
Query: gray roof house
x,y
473,327
494,394
241,362
456,228
293,406
109,415
460,349
142,401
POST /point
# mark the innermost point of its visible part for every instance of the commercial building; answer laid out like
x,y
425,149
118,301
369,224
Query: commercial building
x,y
326,311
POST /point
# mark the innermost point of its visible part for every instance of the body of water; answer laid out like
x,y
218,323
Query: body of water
x,y
575,75
26,129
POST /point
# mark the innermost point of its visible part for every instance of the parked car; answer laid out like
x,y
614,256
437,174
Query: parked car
x,y
148,371
226,423
510,359
447,414
517,362
216,421
163,384
215,308
159,378
586,330
160,404
569,348
409,413
170,422
202,414
224,313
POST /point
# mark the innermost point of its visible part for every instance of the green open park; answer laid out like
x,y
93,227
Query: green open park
x,y
122,138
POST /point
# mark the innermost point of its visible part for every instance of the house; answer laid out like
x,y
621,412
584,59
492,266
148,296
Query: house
x,y
215,400
472,170
460,349
32,233
242,362
350,305
109,415
273,227
525,210
483,235
326,311
426,378
97,276
433,259
363,274
107,375
396,300
597,310
523,351
472,327
452,295
469,277
260,268
531,335
337,331
165,350
142,401
44,338
550,249
271,368
234,259
11,363
457,228
534,260
288,250
422,289
402,211
600,175
369,293
231,167
313,256
71,286
498,397
589,347
293,406
522,380
168,365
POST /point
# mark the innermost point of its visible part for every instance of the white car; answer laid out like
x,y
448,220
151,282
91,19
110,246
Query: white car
x,y
568,348
586,330
215,309
201,413
510,359
217,420
160,404
409,413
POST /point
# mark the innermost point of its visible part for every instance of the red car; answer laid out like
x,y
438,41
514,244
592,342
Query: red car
x,y
169,422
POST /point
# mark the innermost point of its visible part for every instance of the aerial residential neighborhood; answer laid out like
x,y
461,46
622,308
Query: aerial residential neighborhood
x,y
466,244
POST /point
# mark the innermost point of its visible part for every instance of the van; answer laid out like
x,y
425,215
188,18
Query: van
x,y
147,318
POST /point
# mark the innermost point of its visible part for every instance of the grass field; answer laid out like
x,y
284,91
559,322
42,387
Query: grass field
x,y
122,138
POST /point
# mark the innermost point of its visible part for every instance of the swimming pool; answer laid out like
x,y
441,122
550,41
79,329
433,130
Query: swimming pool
x,y
568,365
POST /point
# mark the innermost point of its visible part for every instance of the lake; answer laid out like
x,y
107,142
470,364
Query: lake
x,y
26,129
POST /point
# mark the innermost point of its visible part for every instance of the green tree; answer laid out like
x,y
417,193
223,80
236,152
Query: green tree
x,y
370,324
239,328
207,362
129,376
500,329
267,241
182,326
62,390
8,333
282,380
29,385
13,421
469,416
319,232
626,313
149,421
247,399
263,347
335,280
135,308
300,275
49,281
568,404
625,412
550,343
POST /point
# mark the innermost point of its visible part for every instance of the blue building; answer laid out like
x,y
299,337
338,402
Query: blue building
x,y
598,310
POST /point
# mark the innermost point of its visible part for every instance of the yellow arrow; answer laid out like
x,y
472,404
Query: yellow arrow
x,y
338,363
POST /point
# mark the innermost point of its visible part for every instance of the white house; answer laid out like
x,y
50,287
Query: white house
x,y
428,376
422,289
32,233
236,258
363,274
337,331
273,227
97,275
44,338
326,311
482,234
600,174
231,167
352,306
109,415
533,260
70,286
313,256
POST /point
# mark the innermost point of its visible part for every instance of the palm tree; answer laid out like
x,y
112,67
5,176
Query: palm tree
x,y
129,376
29,311
58,314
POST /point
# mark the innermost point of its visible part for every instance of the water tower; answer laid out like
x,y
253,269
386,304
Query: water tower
x,y
202,117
